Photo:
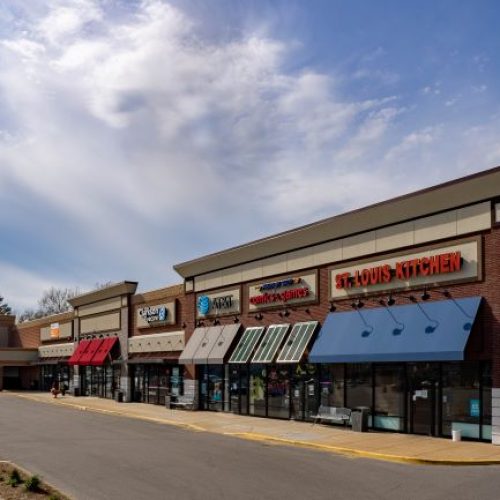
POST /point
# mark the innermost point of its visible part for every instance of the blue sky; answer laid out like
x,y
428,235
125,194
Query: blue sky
x,y
136,135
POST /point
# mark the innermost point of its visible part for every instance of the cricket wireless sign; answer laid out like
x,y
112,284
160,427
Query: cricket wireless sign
x,y
434,266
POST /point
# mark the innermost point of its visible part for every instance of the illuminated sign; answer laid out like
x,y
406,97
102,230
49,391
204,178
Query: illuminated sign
x,y
207,304
432,266
54,331
154,314
219,303
289,290
404,270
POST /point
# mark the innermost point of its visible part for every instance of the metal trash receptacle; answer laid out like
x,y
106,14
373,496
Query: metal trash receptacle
x,y
119,397
76,392
359,419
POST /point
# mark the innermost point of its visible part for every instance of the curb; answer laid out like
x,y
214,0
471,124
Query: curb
x,y
358,453
263,438
191,427
28,473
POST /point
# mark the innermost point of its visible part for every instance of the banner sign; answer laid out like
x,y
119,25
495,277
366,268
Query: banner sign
x,y
54,330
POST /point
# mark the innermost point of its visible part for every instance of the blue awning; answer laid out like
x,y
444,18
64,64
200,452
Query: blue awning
x,y
428,331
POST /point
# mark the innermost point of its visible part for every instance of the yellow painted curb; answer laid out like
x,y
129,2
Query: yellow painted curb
x,y
359,453
117,413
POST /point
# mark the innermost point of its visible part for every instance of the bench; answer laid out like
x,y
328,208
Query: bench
x,y
186,402
333,414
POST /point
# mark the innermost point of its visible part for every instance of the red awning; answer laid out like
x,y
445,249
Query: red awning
x,y
103,351
75,358
89,353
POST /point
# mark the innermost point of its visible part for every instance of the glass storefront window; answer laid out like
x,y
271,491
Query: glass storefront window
x,y
389,397
358,382
332,385
139,383
278,391
215,387
304,391
461,399
234,388
257,403
486,401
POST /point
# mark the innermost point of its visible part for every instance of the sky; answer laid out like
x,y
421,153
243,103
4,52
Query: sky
x,y
135,135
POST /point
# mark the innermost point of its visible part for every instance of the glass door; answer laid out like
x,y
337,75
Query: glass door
x,y
163,384
278,391
234,388
304,392
215,387
423,383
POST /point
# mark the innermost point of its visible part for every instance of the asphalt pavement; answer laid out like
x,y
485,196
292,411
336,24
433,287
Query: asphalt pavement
x,y
96,456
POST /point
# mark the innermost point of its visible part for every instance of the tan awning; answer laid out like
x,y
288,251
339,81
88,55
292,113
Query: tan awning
x,y
222,345
194,342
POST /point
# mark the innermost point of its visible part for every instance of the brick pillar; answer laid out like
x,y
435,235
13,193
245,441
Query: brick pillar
x,y
125,384
76,339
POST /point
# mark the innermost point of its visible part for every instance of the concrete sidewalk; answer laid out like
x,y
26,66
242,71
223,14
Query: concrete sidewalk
x,y
377,445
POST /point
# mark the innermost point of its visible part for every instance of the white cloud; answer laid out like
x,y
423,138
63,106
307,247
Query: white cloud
x,y
21,289
413,141
131,142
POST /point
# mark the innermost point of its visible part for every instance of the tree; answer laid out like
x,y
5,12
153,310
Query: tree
x,y
4,307
55,300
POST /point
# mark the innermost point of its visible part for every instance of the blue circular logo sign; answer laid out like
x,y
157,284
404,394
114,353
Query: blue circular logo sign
x,y
162,313
203,304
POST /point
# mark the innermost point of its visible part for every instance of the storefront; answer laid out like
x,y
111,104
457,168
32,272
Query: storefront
x,y
154,348
405,296
53,362
98,375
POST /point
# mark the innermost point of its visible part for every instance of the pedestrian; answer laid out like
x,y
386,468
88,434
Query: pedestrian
x,y
55,389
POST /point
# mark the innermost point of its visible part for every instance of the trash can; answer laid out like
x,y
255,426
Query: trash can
x,y
119,397
456,435
76,392
359,419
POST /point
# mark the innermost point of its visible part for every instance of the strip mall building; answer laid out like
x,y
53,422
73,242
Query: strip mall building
x,y
394,308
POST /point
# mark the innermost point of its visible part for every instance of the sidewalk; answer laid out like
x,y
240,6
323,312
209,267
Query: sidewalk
x,y
376,445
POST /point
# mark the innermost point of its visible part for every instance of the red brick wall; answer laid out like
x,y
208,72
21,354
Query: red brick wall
x,y
25,336
184,310
485,337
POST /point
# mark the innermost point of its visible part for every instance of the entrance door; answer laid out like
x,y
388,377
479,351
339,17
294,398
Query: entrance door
x,y
304,392
423,384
